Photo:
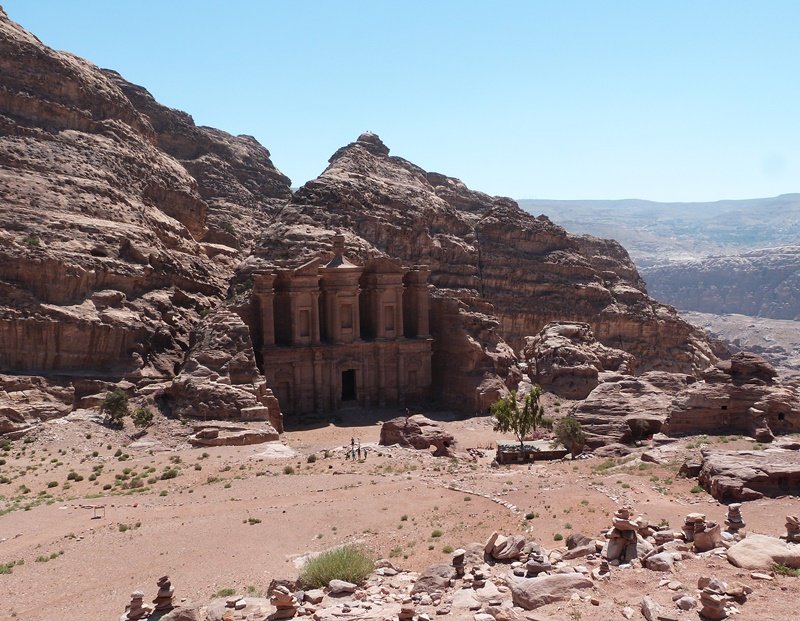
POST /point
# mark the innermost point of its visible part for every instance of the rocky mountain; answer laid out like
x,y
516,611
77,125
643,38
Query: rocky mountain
x,y
124,225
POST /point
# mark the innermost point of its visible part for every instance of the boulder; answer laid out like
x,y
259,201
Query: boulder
x,y
434,578
419,432
337,587
762,552
530,593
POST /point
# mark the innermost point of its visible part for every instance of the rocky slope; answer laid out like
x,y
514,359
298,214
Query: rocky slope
x,y
105,263
761,283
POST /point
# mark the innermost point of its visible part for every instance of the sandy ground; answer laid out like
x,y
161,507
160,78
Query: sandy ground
x,y
237,517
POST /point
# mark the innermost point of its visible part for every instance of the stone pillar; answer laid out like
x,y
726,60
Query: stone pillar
x,y
380,326
398,312
336,319
315,318
319,405
265,295
295,337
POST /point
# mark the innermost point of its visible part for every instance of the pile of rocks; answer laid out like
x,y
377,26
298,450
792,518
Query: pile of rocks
x,y
284,602
621,546
537,563
459,561
166,592
734,521
792,529
705,535
135,610
713,599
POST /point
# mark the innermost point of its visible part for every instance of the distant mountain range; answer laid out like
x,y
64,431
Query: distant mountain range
x,y
655,232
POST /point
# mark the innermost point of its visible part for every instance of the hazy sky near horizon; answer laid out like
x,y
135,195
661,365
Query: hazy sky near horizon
x,y
677,100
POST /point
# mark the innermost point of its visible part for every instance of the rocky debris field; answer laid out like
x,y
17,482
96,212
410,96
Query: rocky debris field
x,y
91,515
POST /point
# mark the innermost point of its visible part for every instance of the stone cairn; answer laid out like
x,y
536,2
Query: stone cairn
x,y
706,535
621,546
284,602
713,599
734,521
135,610
459,561
792,529
166,592
406,613
537,563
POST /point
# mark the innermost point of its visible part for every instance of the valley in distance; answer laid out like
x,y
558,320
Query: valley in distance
x,y
222,399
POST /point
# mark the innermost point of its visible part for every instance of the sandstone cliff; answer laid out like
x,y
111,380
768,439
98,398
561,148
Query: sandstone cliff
x,y
104,265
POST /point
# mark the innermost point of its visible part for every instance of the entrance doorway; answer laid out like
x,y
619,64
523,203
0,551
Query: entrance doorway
x,y
349,385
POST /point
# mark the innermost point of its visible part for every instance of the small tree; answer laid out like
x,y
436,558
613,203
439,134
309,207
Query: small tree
x,y
115,407
568,431
510,417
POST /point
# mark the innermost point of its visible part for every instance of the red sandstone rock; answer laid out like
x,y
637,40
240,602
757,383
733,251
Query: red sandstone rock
x,y
418,432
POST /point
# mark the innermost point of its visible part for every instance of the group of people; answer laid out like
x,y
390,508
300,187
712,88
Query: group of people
x,y
355,449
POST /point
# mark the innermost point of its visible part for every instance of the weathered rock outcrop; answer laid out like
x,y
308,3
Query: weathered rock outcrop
x,y
220,379
732,476
762,552
566,359
110,248
735,396
418,432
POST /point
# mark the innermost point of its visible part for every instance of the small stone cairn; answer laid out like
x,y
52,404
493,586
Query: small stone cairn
x,y
621,546
406,613
135,609
792,529
284,602
713,599
459,557
537,563
706,535
734,521
166,592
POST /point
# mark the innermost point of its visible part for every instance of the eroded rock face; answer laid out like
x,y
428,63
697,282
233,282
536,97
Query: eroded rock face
x,y
112,239
735,396
418,432
565,359
220,379
734,476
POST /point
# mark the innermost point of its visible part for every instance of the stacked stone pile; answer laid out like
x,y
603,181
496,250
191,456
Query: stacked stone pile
x,y
792,529
284,602
136,610
734,521
166,592
622,537
704,534
714,599
459,563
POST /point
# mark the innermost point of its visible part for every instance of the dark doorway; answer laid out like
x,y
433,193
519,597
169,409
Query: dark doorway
x,y
349,385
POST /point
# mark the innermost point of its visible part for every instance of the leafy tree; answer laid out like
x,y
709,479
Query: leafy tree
x,y
115,407
520,420
568,431
142,417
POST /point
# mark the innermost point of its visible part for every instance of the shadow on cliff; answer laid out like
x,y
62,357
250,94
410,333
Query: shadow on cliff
x,y
365,417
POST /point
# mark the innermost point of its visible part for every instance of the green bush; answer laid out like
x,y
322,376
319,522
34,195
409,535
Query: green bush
x,y
142,418
115,407
351,563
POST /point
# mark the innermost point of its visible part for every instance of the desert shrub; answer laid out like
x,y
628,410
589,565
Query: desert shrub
x,y
558,537
288,470
170,473
785,570
142,418
351,563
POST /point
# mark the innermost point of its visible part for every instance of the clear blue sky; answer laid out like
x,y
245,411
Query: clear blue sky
x,y
665,100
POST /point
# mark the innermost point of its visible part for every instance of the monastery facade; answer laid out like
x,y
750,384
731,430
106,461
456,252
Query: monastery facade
x,y
335,334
